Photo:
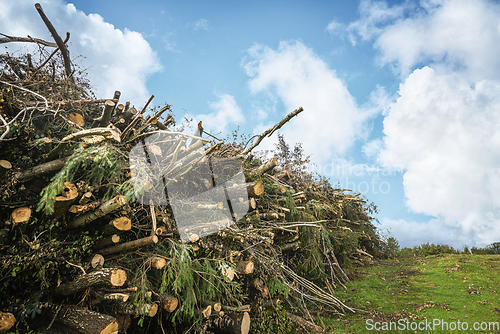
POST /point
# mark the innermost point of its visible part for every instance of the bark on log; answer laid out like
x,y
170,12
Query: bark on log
x,y
168,302
309,326
130,245
107,241
245,267
59,42
124,322
45,168
118,225
9,39
5,166
86,321
147,309
85,198
103,133
265,167
106,276
64,201
106,113
240,323
20,216
108,207
7,320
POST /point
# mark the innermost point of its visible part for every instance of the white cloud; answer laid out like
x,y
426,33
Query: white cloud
x,y
226,112
114,59
201,24
331,120
444,133
437,231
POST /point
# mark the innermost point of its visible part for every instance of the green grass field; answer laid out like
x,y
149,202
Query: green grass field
x,y
434,294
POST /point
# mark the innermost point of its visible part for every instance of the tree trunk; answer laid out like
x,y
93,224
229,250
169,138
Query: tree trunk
x,y
64,201
130,245
108,207
106,276
7,320
86,321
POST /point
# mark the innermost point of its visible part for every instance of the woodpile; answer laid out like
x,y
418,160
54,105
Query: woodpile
x,y
81,248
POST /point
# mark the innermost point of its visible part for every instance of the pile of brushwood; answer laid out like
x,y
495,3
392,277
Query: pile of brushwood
x,y
111,219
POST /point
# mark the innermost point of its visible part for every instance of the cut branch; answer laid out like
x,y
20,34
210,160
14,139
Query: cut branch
x,y
110,277
9,39
270,131
108,207
59,42
48,167
130,245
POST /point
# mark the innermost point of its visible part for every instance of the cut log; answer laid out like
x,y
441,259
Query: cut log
x,y
5,166
106,276
146,309
85,207
85,321
20,216
118,225
254,189
130,245
207,311
107,241
85,198
48,167
168,302
108,207
245,267
7,320
77,118
96,261
106,113
121,297
239,324
217,307
64,201
228,272
128,113
307,325
265,167
157,262
261,287
124,322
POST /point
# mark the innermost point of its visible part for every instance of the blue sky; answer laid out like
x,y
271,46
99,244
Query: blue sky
x,y
401,98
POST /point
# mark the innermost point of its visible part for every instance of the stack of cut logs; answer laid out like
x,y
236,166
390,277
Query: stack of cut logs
x,y
78,246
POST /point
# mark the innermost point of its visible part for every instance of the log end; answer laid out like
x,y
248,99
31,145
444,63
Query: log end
x,y
118,277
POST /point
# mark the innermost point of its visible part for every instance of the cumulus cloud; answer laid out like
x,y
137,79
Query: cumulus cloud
x,y
293,73
444,134
114,59
225,112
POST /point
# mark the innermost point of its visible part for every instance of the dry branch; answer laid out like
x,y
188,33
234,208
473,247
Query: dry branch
x,y
59,42
45,168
